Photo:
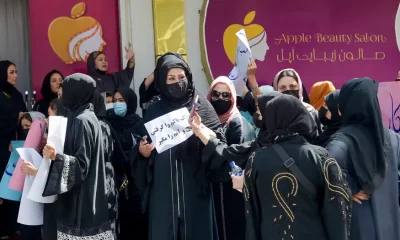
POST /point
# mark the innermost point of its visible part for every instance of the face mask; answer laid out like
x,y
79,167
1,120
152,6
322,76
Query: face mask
x,y
109,106
257,121
221,106
120,109
22,134
294,93
178,89
322,116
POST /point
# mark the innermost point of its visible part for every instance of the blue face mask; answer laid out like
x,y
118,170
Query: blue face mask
x,y
120,109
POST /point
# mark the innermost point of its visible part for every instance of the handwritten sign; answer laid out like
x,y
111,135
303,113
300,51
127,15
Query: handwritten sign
x,y
389,101
238,75
170,129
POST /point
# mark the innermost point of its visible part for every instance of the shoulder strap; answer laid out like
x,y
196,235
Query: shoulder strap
x,y
291,165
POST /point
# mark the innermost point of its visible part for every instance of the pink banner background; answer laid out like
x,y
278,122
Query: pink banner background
x,y
389,101
41,15
283,19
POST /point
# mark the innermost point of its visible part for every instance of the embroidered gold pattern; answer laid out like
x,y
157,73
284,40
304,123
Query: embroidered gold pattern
x,y
339,190
278,195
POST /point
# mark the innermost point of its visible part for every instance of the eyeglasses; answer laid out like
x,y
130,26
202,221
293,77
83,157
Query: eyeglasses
x,y
225,95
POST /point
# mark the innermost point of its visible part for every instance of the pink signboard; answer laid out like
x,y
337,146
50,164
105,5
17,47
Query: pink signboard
x,y
321,39
63,34
389,101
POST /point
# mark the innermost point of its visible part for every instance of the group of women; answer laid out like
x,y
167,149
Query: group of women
x,y
317,169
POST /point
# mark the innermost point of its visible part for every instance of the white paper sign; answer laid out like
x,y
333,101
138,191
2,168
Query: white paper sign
x,y
238,75
170,129
30,212
56,138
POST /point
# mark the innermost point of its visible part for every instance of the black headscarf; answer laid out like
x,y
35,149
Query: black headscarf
x,y
91,65
333,124
262,138
5,86
131,118
99,105
286,115
46,86
78,92
362,125
170,103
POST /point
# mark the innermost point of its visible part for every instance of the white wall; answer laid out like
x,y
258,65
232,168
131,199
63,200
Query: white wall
x,y
136,26
192,24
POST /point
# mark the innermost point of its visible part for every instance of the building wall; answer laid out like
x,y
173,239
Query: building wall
x,y
137,27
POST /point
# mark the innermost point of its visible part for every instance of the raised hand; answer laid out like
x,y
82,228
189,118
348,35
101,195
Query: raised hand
x,y
145,148
130,55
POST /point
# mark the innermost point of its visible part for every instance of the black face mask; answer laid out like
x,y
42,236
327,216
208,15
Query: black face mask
x,y
221,106
178,89
321,113
22,134
258,122
294,93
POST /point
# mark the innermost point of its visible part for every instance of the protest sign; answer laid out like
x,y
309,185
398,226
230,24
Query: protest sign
x,y
170,129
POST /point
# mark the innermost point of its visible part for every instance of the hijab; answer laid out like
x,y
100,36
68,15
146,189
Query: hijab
x,y
299,82
99,105
91,65
281,123
226,117
318,92
130,118
262,105
5,86
331,125
78,93
170,103
362,125
46,86
302,92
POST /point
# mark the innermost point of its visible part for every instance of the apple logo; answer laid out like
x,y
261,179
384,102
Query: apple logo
x,y
256,35
74,38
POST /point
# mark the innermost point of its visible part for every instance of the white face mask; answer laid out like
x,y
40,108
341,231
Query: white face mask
x,y
109,106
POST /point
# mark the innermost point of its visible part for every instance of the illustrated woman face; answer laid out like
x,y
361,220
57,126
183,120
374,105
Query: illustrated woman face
x,y
12,75
287,83
55,82
260,49
101,63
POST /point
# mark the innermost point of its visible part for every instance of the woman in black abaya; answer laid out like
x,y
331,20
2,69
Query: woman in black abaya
x,y
50,87
97,66
12,106
180,204
370,154
129,129
311,196
78,175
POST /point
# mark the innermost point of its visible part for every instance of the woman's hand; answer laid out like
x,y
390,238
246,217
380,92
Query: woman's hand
x,y
28,168
130,55
145,148
10,148
195,123
20,116
252,68
237,182
49,152
360,196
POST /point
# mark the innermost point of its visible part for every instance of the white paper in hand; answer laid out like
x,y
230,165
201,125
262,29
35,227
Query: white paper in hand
x,y
170,129
30,212
56,138
238,75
